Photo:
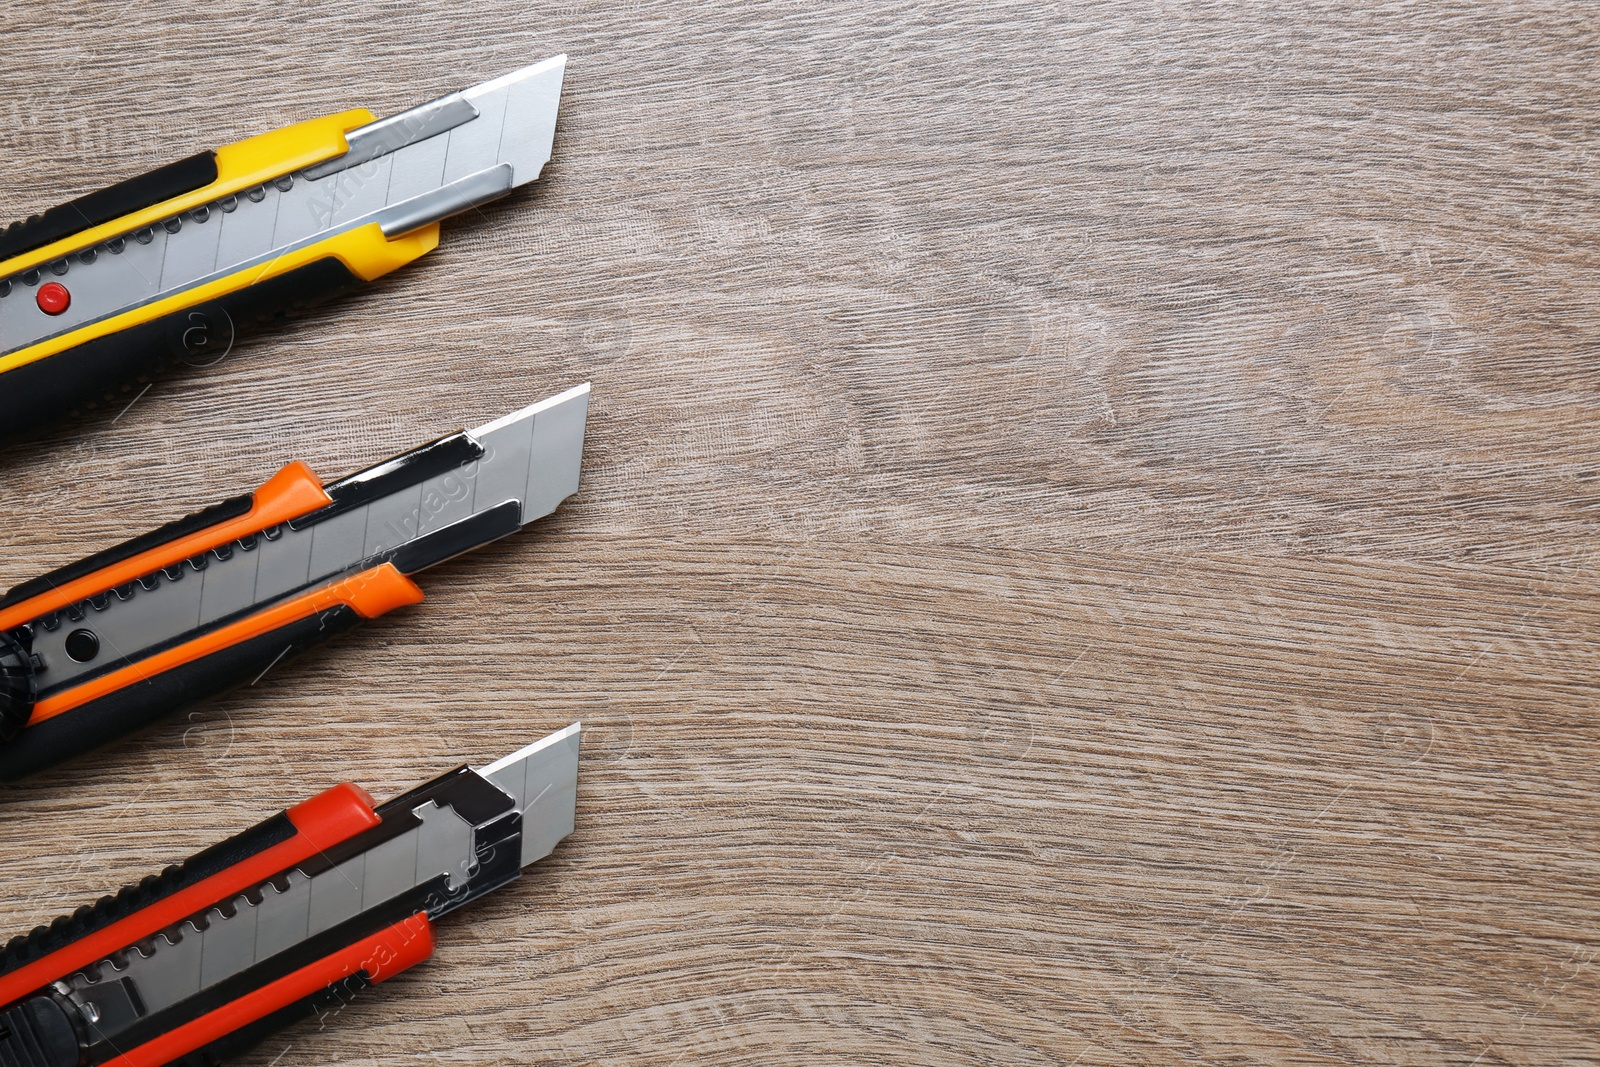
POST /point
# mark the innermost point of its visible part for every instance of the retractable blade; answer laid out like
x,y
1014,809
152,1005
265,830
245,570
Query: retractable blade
x,y
286,920
106,645
175,264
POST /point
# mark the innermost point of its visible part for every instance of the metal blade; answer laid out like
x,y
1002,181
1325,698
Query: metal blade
x,y
416,511
551,434
530,98
543,779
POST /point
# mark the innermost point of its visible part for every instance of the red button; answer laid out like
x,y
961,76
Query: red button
x,y
54,298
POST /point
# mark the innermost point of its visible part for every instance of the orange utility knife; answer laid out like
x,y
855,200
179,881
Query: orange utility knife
x,y
103,646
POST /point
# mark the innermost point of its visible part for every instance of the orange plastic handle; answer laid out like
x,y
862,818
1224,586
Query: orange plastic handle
x,y
289,494
380,957
371,593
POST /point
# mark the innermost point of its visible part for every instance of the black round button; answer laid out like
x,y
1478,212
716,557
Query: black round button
x,y
83,645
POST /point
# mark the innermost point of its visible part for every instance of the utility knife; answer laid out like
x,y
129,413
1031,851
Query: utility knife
x,y
106,645
289,919
173,265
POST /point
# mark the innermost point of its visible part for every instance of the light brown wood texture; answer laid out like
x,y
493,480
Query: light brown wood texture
x,y
1087,552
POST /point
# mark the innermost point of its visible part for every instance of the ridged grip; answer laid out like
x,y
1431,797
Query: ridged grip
x,y
103,205
17,686
38,1033
44,940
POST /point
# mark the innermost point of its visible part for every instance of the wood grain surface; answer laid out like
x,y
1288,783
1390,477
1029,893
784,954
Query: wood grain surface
x,y
1087,552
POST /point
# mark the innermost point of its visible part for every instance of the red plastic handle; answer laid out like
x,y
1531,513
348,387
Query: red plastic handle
x,y
320,823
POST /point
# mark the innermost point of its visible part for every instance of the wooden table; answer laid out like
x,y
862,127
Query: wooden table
x,y
1087,546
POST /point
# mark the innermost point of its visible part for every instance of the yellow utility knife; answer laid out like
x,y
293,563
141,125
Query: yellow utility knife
x,y
99,293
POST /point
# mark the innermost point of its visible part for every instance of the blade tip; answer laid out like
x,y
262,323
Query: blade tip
x,y
533,409
557,63
548,740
